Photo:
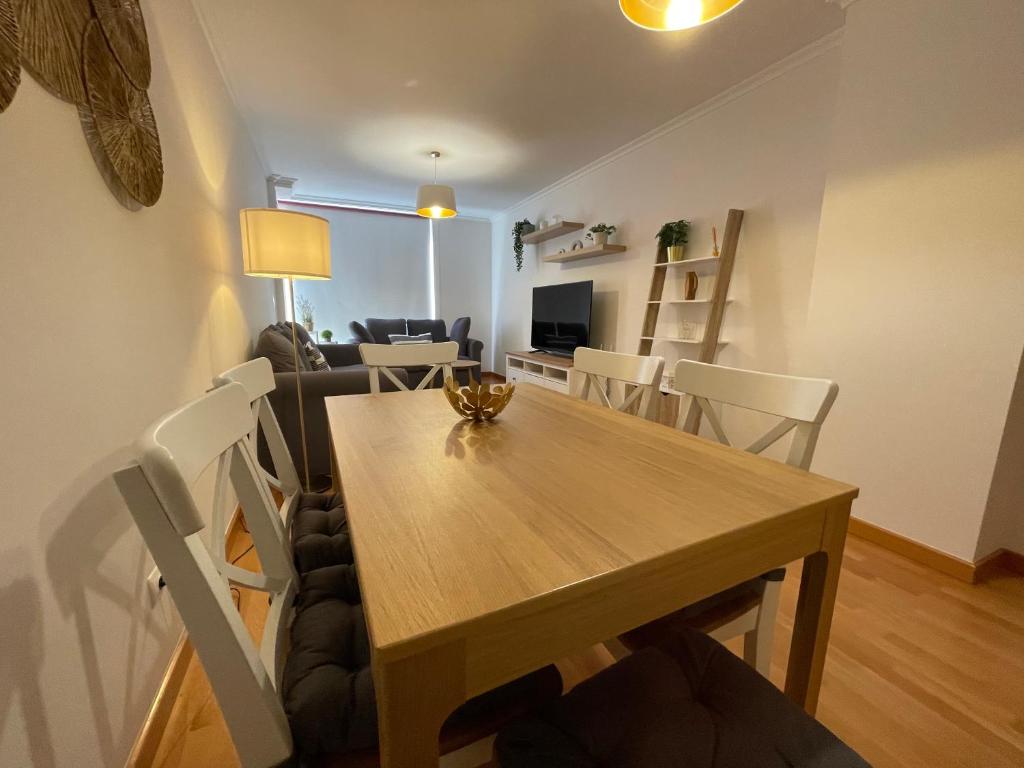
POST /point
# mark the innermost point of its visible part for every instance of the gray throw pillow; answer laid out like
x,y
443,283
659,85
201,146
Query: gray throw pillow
x,y
400,338
278,350
316,357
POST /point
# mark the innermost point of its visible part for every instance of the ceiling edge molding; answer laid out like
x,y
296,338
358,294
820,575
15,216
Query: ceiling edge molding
x,y
223,72
802,56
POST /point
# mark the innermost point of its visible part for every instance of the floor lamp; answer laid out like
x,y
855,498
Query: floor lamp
x,y
293,246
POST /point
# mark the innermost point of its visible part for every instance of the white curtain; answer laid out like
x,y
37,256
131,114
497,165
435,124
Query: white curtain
x,y
380,264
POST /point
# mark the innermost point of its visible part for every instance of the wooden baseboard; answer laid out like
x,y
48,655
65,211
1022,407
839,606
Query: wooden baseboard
x,y
148,741
144,752
964,570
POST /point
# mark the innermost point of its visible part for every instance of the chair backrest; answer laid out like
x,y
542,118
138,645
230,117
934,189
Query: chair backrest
x,y
801,403
171,455
383,357
257,376
593,370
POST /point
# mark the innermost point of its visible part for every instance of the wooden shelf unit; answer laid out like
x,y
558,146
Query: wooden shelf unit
x,y
555,230
540,368
584,253
720,266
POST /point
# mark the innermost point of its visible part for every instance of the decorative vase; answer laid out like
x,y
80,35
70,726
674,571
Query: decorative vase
x,y
675,252
690,287
600,238
309,326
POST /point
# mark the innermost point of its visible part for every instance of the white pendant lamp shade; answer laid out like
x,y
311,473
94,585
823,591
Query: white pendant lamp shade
x,y
277,243
436,201
670,15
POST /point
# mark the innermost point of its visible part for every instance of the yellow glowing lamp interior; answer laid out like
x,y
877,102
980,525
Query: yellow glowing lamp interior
x,y
278,243
670,15
436,201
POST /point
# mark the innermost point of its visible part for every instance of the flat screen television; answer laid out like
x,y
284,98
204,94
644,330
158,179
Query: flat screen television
x,y
561,317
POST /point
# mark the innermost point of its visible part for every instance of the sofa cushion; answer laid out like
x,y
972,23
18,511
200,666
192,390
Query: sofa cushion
x,y
328,686
380,328
404,338
316,358
460,333
300,331
436,328
285,329
697,705
360,334
320,534
272,345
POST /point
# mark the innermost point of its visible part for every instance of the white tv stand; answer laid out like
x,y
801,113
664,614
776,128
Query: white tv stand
x,y
539,368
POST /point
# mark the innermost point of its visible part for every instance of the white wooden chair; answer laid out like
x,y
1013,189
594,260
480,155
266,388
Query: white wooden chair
x,y
383,357
802,405
158,490
594,371
257,377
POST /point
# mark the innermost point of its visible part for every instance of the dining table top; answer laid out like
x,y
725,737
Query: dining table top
x,y
455,522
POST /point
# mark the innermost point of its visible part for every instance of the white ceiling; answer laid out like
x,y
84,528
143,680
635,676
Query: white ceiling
x,y
350,97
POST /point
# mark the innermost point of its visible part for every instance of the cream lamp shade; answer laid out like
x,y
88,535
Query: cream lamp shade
x,y
278,243
669,15
436,201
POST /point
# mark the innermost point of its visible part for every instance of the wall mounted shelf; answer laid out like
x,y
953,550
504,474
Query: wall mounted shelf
x,y
555,230
584,253
704,266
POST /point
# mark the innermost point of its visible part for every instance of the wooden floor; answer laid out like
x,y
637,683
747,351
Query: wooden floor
x,y
923,670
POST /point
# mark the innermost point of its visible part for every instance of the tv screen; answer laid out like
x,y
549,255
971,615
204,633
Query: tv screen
x,y
561,317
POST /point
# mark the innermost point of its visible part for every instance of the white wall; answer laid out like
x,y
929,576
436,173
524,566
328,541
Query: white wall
x,y
916,305
882,183
760,148
112,318
462,258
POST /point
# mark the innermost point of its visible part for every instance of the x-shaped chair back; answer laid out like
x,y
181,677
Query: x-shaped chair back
x,y
593,370
801,403
381,358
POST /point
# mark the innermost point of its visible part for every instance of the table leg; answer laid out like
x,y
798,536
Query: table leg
x,y
814,608
415,695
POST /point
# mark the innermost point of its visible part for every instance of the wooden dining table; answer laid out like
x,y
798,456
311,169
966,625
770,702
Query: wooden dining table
x,y
488,550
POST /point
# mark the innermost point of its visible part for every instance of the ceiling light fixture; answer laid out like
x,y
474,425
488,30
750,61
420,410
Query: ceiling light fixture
x,y
671,15
436,201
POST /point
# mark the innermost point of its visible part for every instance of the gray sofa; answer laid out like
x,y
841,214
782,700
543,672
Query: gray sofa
x,y
378,331
347,377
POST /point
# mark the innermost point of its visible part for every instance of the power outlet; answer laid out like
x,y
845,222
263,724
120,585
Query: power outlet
x,y
153,587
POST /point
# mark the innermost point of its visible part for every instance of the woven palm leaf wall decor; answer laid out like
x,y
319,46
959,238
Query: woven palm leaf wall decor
x,y
124,120
51,44
96,56
10,52
125,30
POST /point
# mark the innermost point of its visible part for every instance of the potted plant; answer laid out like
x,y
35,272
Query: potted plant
x,y
600,233
521,228
328,335
673,237
305,307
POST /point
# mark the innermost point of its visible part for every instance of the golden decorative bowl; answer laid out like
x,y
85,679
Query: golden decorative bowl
x,y
478,402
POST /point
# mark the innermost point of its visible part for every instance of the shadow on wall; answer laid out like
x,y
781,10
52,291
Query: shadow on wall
x,y
604,320
1003,524
84,529
21,658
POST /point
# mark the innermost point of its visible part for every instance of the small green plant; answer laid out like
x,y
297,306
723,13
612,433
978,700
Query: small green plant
x,y
305,307
327,334
602,227
674,233
521,228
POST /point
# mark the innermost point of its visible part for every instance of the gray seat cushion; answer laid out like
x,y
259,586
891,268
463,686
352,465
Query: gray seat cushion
x,y
436,328
460,333
694,706
328,686
320,535
380,328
